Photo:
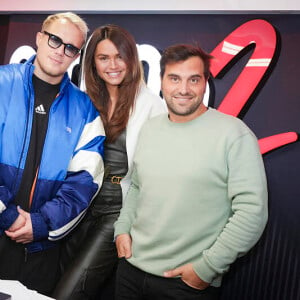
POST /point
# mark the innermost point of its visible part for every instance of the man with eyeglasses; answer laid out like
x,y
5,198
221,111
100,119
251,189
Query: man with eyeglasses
x,y
51,152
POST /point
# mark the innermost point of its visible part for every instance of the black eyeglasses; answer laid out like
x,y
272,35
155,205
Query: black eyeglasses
x,y
55,42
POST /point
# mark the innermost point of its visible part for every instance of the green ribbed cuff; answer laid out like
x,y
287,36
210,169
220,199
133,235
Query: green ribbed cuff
x,y
204,270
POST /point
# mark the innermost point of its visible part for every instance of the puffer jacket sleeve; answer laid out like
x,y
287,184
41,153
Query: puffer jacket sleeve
x,y
60,215
9,75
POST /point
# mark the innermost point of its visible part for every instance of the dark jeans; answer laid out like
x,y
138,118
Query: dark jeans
x,y
89,258
135,284
37,271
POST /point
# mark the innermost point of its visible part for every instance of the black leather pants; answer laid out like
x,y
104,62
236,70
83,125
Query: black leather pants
x,y
90,256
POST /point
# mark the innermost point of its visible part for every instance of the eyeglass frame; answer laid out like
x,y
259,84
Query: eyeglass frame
x,y
51,35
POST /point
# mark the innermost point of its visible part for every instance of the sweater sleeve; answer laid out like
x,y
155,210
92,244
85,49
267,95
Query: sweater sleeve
x,y
128,211
247,191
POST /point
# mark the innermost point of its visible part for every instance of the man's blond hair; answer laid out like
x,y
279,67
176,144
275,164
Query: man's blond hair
x,y
71,17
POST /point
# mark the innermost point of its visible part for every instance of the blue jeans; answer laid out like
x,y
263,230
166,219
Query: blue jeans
x,y
135,284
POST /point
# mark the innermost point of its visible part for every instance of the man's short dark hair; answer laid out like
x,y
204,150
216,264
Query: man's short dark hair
x,y
182,52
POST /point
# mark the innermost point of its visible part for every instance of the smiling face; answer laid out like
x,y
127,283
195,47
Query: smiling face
x,y
51,64
183,88
109,64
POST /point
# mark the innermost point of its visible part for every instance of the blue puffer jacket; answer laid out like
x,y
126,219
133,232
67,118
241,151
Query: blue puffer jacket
x,y
71,167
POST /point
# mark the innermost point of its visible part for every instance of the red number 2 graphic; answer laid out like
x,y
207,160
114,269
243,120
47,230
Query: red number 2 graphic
x,y
263,36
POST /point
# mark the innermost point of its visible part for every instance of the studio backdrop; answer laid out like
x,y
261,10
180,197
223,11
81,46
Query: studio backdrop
x,y
255,76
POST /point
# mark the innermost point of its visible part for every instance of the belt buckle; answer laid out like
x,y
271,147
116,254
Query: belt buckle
x,y
116,179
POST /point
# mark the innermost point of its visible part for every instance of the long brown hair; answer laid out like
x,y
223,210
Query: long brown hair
x,y
128,89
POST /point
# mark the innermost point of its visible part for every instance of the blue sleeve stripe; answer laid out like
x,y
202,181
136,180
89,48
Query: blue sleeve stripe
x,y
95,145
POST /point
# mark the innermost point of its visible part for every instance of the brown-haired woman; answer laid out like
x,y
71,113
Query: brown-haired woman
x,y
114,81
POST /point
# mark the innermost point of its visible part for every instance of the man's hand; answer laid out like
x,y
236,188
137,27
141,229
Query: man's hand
x,y
24,234
19,222
188,276
123,243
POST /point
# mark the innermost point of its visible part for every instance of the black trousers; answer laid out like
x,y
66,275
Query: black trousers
x,y
37,271
89,258
135,284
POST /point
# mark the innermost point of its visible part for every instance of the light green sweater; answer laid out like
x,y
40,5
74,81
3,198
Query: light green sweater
x,y
198,195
